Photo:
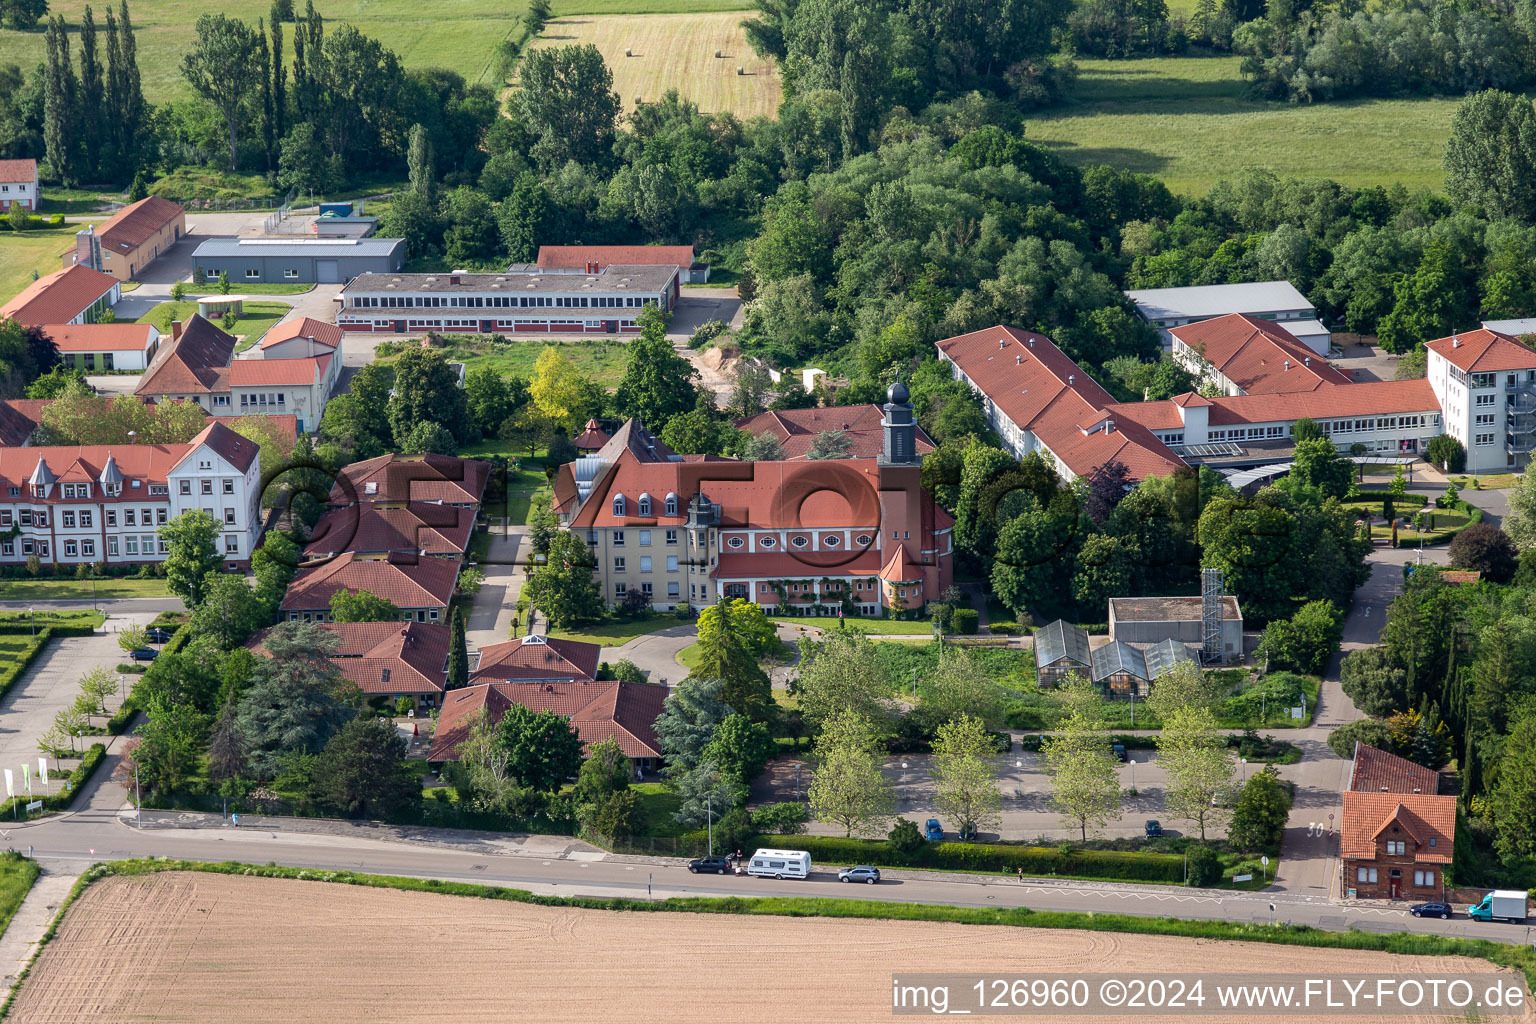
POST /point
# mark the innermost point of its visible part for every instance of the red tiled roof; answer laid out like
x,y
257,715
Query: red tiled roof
x,y
592,437
760,565
829,492
402,478
286,421
58,297
137,223
796,429
387,658
303,327
568,256
625,711
273,373
19,417
100,337
1258,356
198,361
423,527
1041,390
1422,818
146,462
1377,771
234,448
536,658
1482,351
1367,398
13,171
899,568
422,583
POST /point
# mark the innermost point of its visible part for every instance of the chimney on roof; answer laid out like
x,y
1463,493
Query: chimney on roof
x,y
1287,365
1071,379
1002,343
175,330
1018,360
1455,341
1416,789
453,278
1031,342
1109,426
1308,360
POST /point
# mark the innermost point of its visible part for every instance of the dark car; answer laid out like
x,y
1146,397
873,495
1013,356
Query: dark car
x,y
933,830
967,833
1154,828
719,865
144,654
1119,751
156,635
859,873
1441,910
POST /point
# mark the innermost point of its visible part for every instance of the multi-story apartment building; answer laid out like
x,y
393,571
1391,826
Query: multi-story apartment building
x,y
1485,382
818,537
105,503
528,300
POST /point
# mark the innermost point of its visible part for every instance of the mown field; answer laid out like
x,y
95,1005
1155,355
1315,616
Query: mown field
x,y
654,53
458,34
22,252
1186,120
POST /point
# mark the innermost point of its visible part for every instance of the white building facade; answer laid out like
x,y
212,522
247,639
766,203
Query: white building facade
x,y
1486,383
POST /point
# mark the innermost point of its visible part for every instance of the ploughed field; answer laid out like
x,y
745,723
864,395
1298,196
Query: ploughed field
x,y
190,946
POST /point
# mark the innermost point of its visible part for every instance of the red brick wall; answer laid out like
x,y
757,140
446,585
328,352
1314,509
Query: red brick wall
x,y
1381,889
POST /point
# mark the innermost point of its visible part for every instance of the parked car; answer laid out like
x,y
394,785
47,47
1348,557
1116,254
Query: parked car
x,y
719,865
1119,751
859,873
144,654
1441,910
1223,798
967,833
156,635
1154,828
933,830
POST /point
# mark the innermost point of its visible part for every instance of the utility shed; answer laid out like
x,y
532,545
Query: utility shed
x,y
1060,650
256,261
1151,620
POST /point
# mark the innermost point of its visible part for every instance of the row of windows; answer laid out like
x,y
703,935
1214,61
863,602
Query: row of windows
x,y
497,301
1483,440
1422,879
277,398
1484,401
619,563
251,274
643,505
620,590
618,537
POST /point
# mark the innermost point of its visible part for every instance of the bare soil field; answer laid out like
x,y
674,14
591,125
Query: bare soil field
x,y
677,51
188,946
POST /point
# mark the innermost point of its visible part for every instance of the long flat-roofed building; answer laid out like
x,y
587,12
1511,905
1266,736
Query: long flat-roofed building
x,y
529,300
1166,308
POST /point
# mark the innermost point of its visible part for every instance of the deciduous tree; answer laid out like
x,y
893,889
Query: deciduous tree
x,y
194,555
1084,789
563,588
221,67
545,749
965,783
847,786
362,606
1198,765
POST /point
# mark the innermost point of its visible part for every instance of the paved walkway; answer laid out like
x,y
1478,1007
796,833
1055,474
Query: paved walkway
x,y
32,921
490,619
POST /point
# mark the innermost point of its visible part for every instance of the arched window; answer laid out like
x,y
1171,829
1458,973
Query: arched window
x,y
618,504
645,504
671,505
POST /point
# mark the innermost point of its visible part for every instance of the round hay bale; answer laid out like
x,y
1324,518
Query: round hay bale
x,y
740,70
718,55
628,52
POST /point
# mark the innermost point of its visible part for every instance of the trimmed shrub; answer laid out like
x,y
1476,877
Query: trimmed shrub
x,y
966,620
1204,866
1036,861
14,670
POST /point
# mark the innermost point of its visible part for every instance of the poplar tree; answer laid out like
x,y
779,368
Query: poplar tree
x,y
113,100
92,115
59,112
279,75
264,92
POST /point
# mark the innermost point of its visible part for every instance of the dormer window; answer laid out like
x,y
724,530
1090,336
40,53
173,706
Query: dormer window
x,y
618,504
671,505
371,487
645,504
39,492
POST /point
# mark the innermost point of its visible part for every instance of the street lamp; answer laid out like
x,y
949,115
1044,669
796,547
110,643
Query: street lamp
x,y
904,795
33,612
1019,764
709,818
1132,763
1245,771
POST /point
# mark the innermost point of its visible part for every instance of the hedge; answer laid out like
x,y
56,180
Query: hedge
x,y
1037,861
62,623
118,723
12,672
965,620
16,807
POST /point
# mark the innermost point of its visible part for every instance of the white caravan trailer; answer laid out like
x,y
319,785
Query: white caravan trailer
x,y
780,864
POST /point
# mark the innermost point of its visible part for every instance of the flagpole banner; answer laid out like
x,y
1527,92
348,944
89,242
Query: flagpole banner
x,y
10,782
42,769
26,777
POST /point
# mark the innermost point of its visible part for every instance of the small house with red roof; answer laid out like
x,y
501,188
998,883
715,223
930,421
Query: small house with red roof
x,y
1398,833
19,185
592,438
424,527
854,536
399,480
387,659
76,295
300,338
98,348
544,674
420,586
1486,382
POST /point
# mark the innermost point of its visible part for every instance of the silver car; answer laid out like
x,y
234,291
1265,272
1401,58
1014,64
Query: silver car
x,y
859,873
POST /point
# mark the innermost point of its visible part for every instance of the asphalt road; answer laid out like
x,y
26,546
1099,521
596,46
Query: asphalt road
x,y
70,844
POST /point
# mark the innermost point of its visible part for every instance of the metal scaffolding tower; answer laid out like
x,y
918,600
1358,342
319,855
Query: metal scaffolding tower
x,y
1211,585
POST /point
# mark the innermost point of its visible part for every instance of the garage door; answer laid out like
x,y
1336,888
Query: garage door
x,y
326,272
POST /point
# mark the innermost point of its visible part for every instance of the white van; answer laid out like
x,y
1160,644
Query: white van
x,y
780,864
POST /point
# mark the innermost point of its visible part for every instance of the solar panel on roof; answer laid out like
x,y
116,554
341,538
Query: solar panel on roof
x,y
1212,449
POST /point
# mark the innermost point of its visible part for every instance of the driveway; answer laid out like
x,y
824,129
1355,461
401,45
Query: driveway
x,y
490,619
51,684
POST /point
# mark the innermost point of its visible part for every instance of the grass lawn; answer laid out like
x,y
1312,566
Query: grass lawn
x,y
1493,481
79,590
656,52
660,804
903,627
257,319
615,632
17,873
604,361
282,289
1187,121
690,656
22,252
